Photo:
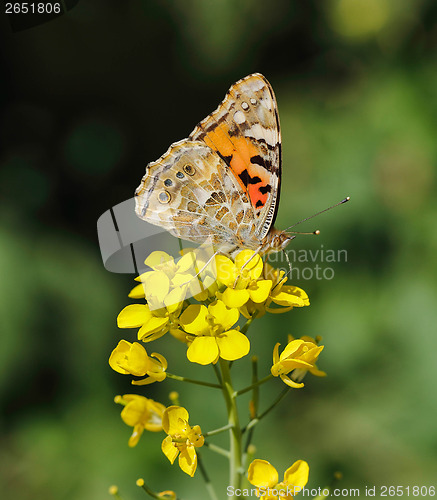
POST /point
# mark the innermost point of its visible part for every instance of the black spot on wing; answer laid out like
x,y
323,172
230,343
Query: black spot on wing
x,y
247,179
257,160
265,189
262,162
259,203
226,159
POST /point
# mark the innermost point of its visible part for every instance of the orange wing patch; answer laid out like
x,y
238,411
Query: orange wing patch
x,y
239,153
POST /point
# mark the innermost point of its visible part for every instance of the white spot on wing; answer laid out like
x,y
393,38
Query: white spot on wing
x,y
258,132
256,84
239,117
253,101
244,105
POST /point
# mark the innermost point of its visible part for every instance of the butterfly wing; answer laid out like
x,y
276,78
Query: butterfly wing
x,y
191,193
244,130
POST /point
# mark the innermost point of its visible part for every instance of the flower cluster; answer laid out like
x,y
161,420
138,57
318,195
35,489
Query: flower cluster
x,y
202,308
208,303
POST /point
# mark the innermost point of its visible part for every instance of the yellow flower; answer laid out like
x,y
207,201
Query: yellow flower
x,y
133,359
242,279
140,413
286,296
210,336
265,477
178,278
182,439
153,324
299,357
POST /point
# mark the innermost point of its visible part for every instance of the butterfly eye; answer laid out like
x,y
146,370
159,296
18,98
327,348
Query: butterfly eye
x,y
189,169
164,197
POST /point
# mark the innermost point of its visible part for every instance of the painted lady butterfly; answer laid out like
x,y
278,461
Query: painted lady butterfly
x,y
222,183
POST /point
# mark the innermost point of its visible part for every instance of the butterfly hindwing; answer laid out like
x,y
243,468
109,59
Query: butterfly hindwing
x,y
245,132
190,192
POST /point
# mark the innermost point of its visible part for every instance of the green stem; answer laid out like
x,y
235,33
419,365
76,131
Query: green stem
x,y
218,375
248,323
208,484
217,431
217,449
149,491
235,466
192,381
254,421
252,386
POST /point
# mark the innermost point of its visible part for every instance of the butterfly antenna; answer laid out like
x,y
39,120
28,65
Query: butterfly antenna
x,y
315,215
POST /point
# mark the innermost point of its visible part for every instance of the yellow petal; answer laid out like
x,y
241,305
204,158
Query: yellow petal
x,y
286,299
294,290
276,353
129,358
137,292
157,285
153,325
135,410
162,361
297,474
226,270
193,319
133,316
291,383
262,474
224,316
188,460
203,350
260,290
235,298
291,349
136,434
294,364
247,262
157,259
174,419
186,262
173,301
233,345
118,355
169,450
167,495
318,373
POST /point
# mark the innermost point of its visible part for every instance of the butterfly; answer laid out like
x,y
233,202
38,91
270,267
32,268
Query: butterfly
x,y
222,183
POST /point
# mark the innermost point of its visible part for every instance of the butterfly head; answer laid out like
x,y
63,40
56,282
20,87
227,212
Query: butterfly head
x,y
277,240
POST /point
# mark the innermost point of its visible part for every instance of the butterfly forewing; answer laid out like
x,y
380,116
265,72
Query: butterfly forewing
x,y
245,131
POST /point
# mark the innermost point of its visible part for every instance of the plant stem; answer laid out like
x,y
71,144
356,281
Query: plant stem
x,y
235,466
254,421
217,449
217,431
252,386
248,323
192,381
208,484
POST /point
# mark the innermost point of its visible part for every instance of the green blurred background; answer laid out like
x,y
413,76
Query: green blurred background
x,y
92,96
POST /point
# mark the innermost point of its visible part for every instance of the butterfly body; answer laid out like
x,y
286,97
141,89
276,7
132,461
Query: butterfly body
x,y
221,184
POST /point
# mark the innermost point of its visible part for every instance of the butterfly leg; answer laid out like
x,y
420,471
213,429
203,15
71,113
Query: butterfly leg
x,y
285,278
245,264
203,268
